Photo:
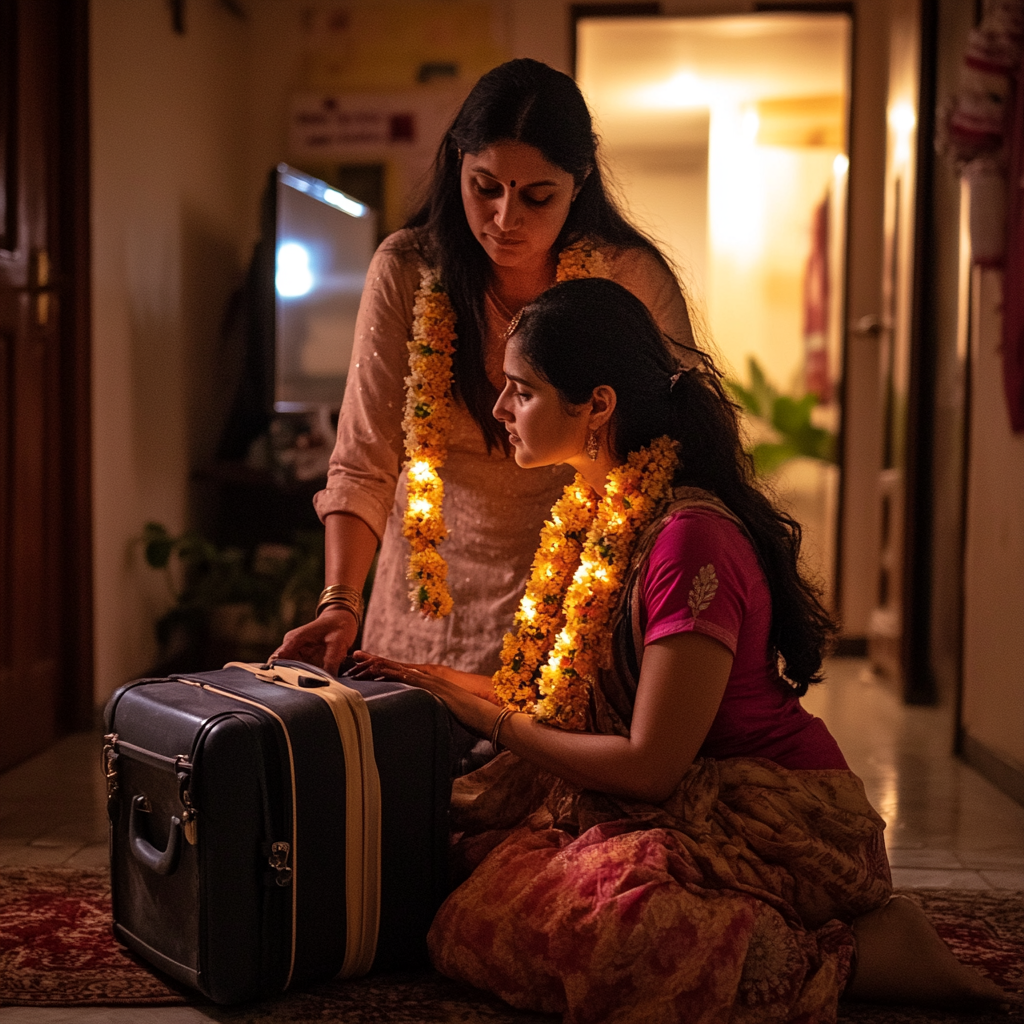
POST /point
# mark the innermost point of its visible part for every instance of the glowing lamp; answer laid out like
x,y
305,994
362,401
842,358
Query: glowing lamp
x,y
294,276
902,120
345,203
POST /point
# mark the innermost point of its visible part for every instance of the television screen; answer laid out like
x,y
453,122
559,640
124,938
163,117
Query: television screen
x,y
324,240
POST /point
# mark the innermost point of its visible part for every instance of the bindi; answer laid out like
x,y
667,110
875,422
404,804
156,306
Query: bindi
x,y
512,183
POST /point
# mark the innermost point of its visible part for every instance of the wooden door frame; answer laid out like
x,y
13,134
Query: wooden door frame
x,y
47,668
77,699
918,683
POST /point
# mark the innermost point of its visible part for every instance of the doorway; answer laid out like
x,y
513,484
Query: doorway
x,y
727,137
45,521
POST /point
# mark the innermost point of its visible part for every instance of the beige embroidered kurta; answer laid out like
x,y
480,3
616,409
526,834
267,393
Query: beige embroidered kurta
x,y
493,509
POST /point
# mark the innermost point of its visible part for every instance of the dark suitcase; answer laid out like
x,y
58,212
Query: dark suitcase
x,y
271,827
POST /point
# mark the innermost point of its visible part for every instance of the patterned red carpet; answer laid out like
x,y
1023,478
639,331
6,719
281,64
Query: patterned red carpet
x,y
56,949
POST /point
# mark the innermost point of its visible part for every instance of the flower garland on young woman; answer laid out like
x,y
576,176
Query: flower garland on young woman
x,y
563,635
428,411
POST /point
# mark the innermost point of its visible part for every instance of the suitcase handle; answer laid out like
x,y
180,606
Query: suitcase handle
x,y
163,862
294,673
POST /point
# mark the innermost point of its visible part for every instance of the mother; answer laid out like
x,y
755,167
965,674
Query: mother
x,y
517,200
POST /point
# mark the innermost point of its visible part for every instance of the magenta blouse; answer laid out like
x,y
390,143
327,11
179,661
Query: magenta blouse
x,y
703,576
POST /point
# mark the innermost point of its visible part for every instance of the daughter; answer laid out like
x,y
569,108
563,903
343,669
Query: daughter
x,y
668,835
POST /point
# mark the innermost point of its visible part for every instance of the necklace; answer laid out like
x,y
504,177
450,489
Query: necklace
x,y
427,422
563,635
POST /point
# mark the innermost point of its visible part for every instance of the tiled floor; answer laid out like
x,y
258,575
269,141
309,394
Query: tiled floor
x,y
53,807
946,826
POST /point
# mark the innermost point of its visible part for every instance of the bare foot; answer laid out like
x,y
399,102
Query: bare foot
x,y
902,959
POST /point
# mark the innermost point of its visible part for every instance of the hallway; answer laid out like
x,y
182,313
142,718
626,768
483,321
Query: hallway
x,y
946,825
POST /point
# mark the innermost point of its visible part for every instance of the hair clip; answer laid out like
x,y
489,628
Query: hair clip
x,y
674,379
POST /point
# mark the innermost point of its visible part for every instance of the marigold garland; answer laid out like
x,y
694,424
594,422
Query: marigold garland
x,y
579,260
428,409
428,413
565,614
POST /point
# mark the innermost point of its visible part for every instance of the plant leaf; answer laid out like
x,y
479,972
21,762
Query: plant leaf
x,y
746,398
793,415
768,457
763,392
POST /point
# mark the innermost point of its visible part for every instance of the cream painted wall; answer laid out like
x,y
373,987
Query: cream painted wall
x,y
170,223
992,710
667,195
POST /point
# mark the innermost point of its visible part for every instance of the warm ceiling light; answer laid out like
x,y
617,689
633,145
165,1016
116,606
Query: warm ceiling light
x,y
902,118
683,90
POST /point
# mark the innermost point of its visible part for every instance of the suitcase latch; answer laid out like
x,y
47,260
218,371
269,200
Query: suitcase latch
x,y
183,769
110,763
278,860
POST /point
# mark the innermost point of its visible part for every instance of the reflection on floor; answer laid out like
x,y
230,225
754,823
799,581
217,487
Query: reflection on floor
x,y
946,826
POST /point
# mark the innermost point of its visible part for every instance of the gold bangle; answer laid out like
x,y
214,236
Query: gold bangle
x,y
340,603
340,590
498,723
340,593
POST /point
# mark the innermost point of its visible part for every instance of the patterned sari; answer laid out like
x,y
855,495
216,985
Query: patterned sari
x,y
731,901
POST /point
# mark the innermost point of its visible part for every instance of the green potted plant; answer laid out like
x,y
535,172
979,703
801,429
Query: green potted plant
x,y
783,424
229,603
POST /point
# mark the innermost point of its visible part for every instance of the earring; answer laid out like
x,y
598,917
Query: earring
x,y
593,446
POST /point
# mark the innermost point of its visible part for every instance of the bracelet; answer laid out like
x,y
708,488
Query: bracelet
x,y
498,723
341,594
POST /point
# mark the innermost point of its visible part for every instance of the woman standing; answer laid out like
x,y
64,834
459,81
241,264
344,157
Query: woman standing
x,y
669,836
517,201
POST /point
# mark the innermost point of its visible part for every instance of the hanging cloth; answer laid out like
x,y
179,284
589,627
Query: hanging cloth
x,y
1013,281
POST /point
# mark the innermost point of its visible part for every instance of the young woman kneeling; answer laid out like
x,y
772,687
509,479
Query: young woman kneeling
x,y
668,835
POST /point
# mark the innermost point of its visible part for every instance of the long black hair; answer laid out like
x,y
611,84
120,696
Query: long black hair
x,y
581,334
524,101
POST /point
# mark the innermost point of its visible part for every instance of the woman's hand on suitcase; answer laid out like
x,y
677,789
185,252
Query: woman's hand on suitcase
x,y
373,666
324,642
475,711
471,682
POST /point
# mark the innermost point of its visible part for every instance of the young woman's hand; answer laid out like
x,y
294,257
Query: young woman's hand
x,y
374,666
461,692
324,642
471,682
427,677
